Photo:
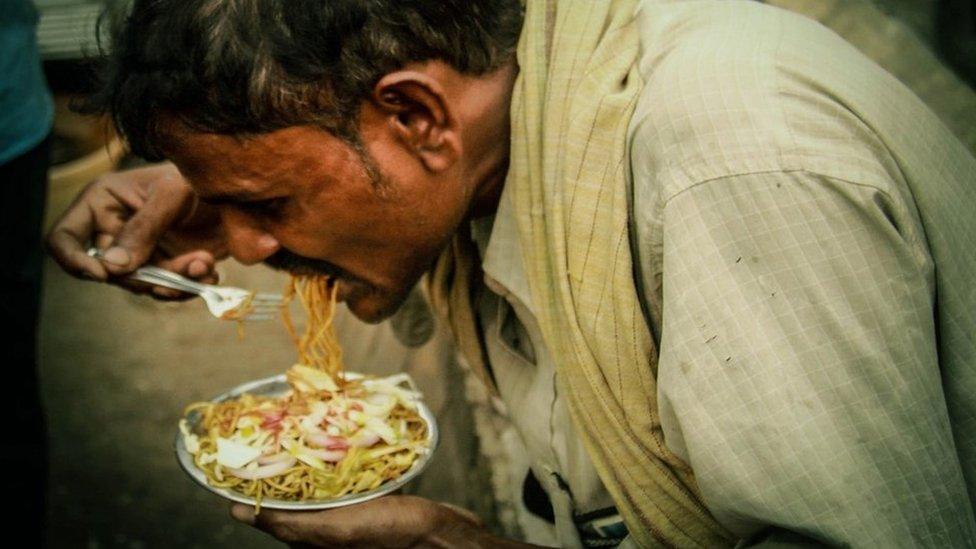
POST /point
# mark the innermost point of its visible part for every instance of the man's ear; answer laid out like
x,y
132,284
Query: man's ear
x,y
418,112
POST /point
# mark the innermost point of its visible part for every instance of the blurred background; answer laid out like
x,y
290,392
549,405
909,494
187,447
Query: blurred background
x,y
116,370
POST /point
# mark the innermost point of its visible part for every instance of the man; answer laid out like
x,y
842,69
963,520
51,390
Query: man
x,y
713,260
26,113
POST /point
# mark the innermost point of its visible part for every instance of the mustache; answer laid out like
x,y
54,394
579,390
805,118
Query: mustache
x,y
285,260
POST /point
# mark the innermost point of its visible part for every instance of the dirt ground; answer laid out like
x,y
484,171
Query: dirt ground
x,y
116,371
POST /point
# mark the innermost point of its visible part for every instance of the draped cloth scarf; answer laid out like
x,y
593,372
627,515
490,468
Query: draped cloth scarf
x,y
576,91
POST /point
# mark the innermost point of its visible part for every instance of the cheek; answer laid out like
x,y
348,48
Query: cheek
x,y
437,212
417,224
334,226
423,207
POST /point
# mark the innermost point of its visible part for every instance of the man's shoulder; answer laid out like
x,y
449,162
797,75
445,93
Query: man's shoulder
x,y
739,87
706,46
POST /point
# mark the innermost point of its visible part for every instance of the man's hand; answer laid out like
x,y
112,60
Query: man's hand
x,y
144,215
391,521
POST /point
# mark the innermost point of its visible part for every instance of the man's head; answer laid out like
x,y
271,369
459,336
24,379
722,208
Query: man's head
x,y
345,137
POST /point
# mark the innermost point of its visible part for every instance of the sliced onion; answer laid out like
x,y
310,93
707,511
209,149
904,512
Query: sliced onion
x,y
318,439
324,440
264,471
275,458
364,438
331,456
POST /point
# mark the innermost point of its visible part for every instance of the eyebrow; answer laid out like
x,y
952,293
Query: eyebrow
x,y
228,198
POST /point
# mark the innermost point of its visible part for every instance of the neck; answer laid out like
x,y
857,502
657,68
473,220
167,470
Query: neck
x,y
486,137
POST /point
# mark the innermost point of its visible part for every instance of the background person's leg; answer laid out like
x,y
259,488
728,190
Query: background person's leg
x,y
23,444
957,36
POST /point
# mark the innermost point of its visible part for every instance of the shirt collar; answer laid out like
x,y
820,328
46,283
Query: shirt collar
x,y
497,240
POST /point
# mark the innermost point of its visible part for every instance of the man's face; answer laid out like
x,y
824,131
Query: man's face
x,y
306,201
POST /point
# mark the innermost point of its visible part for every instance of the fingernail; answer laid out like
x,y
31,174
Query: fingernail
x,y
116,256
243,513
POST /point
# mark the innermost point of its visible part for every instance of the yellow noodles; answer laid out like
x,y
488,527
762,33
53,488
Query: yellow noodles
x,y
317,346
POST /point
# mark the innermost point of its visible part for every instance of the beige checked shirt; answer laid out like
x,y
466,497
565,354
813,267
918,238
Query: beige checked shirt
x,y
805,235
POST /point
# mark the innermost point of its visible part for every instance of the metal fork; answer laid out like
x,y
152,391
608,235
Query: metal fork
x,y
222,301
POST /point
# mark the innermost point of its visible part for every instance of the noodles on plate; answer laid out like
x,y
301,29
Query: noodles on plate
x,y
333,433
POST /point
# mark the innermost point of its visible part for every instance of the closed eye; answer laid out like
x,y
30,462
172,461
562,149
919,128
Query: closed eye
x,y
268,207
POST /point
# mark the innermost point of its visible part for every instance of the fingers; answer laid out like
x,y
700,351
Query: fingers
x,y
199,265
103,241
389,520
137,238
243,513
169,294
354,526
103,215
68,242
145,288
288,527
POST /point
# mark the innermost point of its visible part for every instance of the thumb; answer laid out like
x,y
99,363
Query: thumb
x,y
288,526
243,513
136,240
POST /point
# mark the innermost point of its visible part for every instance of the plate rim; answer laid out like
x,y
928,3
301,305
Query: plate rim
x,y
185,459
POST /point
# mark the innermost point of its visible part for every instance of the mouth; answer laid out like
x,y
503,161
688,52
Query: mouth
x,y
348,286
299,265
369,302
345,289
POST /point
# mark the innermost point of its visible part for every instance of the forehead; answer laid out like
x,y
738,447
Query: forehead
x,y
221,163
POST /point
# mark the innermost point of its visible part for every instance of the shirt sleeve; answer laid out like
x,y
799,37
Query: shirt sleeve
x,y
798,372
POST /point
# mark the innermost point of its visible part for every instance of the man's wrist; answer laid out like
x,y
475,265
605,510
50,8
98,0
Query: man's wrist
x,y
461,529
475,538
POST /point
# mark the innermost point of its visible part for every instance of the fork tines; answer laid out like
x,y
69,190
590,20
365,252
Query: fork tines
x,y
264,306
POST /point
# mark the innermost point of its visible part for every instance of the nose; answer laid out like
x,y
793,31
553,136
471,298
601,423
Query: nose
x,y
247,240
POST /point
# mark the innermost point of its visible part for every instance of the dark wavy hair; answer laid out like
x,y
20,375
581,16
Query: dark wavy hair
x,y
244,67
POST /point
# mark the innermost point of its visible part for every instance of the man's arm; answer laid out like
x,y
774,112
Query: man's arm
x,y
798,372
